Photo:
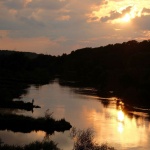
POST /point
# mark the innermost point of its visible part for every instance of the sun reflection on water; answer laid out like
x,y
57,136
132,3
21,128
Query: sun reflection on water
x,y
117,125
120,127
120,116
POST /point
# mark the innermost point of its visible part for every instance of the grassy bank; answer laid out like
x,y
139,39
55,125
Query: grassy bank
x,y
28,106
20,123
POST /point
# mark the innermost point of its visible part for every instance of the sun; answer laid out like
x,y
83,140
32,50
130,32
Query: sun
x,y
126,18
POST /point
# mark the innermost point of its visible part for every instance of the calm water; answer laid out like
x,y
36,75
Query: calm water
x,y
121,130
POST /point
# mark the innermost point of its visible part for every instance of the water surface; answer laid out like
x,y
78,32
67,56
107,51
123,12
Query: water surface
x,y
128,130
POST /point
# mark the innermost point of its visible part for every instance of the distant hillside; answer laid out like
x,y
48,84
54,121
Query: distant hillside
x,y
122,68
30,55
122,58
14,61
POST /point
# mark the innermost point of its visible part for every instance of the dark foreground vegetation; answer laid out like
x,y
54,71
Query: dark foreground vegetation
x,y
84,140
50,145
24,124
122,68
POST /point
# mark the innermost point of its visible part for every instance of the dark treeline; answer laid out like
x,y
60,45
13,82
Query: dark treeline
x,y
122,68
26,67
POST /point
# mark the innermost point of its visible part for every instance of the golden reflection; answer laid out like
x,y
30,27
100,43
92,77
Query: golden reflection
x,y
110,123
120,127
120,116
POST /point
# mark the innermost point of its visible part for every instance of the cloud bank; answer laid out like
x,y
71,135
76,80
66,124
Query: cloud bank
x,y
60,26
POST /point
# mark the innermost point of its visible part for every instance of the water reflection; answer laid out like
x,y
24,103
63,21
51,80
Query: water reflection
x,y
120,116
123,132
120,127
111,120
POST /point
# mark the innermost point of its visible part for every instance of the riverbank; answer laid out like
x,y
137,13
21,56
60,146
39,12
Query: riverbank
x,y
25,124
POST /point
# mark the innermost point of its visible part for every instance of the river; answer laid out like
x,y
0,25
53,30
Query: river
x,y
129,130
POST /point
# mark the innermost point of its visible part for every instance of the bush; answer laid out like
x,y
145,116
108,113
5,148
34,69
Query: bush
x,y
84,140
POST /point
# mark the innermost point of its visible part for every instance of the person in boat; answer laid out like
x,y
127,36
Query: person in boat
x,y
32,101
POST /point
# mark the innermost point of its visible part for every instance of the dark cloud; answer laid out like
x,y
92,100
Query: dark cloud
x,y
94,18
48,4
146,10
30,22
115,15
126,10
19,21
9,25
143,22
13,4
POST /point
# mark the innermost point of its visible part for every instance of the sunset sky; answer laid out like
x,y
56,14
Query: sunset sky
x,y
60,26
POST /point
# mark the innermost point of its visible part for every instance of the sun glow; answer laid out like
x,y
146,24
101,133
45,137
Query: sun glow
x,y
119,12
126,18
129,16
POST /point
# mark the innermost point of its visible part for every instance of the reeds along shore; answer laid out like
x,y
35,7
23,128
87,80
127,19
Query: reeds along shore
x,y
28,106
19,123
